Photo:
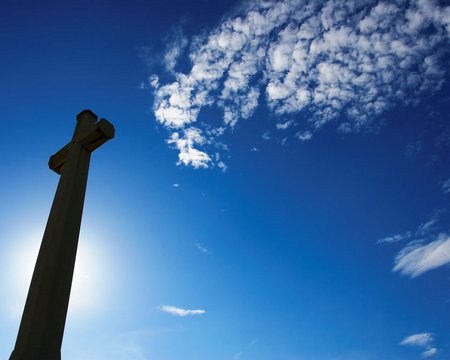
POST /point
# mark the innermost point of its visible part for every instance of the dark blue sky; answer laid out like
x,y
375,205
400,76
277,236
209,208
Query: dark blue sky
x,y
336,247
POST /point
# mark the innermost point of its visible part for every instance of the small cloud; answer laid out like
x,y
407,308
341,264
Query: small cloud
x,y
201,248
237,356
413,149
189,155
446,186
425,228
424,340
153,81
176,185
428,247
422,231
254,149
429,352
416,258
221,165
176,45
285,125
173,310
266,136
147,55
395,238
303,135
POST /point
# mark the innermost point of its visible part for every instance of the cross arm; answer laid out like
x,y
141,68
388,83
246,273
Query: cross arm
x,y
97,135
58,160
90,138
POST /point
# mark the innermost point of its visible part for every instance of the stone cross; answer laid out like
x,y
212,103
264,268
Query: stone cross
x,y
42,327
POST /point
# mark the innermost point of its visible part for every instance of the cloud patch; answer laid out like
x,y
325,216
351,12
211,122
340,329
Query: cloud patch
x,y
446,186
176,311
201,248
422,231
416,258
428,247
424,340
347,62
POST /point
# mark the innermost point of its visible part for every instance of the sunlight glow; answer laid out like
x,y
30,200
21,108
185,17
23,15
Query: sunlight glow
x,y
90,281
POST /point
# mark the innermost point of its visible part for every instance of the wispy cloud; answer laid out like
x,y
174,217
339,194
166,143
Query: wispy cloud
x,y
304,135
237,356
416,259
201,248
285,125
446,186
253,342
266,135
176,43
423,230
173,310
395,238
343,61
413,149
429,352
424,340
186,143
428,248
421,339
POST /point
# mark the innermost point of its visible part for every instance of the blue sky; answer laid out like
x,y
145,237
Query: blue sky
x,y
278,187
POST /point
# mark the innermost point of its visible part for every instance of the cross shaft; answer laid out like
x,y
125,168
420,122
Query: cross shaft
x,y
42,327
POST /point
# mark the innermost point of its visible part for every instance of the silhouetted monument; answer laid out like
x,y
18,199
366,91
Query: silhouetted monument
x,y
44,316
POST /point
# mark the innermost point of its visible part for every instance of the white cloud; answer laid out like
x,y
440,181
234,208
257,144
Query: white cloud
x,y
175,46
424,230
343,61
428,226
201,248
266,136
173,310
424,340
429,352
188,154
285,125
428,247
153,80
394,238
416,258
446,186
303,135
222,165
